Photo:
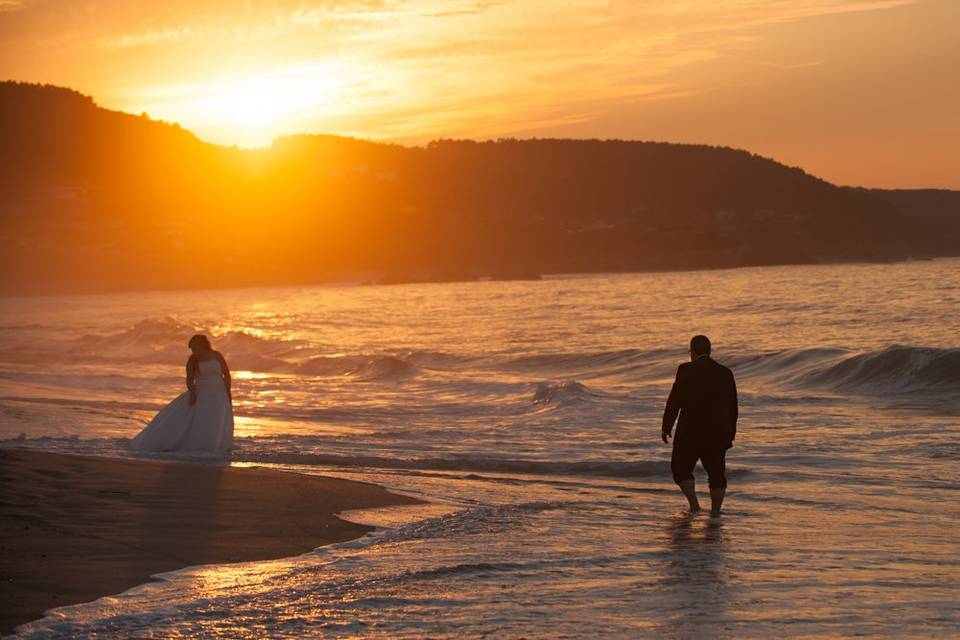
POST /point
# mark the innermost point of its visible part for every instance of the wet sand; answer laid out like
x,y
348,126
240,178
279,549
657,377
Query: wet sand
x,y
73,528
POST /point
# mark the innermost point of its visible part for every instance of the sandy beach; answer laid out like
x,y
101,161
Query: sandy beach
x,y
73,528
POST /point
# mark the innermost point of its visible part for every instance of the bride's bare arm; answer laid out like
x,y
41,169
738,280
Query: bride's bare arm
x,y
192,379
226,374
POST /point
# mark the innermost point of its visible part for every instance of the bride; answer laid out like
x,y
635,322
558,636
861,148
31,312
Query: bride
x,y
201,418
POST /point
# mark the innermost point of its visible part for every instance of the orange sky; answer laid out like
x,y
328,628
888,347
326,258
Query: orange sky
x,y
860,92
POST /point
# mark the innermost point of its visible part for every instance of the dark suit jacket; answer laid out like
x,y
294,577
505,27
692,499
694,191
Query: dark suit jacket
x,y
705,396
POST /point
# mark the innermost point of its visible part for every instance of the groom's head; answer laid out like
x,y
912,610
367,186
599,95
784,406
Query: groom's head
x,y
699,346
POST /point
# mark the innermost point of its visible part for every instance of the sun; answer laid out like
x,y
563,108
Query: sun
x,y
253,104
264,99
251,107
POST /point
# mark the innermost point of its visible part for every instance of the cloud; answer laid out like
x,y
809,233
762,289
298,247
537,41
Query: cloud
x,y
147,38
437,67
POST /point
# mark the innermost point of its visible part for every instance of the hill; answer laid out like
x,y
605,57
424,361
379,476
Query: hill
x,y
96,200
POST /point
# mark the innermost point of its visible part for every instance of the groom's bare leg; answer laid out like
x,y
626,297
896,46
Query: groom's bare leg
x,y
689,490
716,500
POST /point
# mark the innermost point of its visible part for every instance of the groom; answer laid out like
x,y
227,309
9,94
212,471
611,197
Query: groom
x,y
705,395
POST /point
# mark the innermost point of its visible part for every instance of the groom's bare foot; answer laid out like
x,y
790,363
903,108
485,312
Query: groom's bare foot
x,y
714,513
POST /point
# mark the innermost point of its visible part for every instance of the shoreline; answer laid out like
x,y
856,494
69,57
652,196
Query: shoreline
x,y
359,279
76,528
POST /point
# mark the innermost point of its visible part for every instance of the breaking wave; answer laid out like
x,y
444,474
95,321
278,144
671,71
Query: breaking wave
x,y
896,369
366,367
162,341
562,393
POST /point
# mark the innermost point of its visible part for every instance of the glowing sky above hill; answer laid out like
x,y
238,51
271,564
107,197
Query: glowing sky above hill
x,y
857,91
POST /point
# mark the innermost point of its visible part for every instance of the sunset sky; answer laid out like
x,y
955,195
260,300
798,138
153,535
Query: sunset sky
x,y
860,92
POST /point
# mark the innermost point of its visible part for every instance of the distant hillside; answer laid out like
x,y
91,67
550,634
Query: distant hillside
x,y
93,200
936,210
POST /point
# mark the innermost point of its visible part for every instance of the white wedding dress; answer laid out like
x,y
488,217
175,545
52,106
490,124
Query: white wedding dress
x,y
206,427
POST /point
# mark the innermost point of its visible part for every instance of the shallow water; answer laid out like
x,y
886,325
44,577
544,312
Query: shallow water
x,y
529,413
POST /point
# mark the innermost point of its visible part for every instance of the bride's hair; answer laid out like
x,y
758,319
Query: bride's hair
x,y
200,339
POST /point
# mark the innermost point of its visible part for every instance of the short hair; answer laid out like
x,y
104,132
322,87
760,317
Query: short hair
x,y
700,345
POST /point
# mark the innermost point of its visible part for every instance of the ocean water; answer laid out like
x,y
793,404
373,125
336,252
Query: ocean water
x,y
528,414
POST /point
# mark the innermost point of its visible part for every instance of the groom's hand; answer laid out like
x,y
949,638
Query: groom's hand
x,y
665,436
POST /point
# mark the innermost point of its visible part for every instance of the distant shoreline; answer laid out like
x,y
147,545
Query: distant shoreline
x,y
366,279
75,528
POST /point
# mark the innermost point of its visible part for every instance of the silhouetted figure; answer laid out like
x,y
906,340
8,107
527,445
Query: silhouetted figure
x,y
704,394
200,420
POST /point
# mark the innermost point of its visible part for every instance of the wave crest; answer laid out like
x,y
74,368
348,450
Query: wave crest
x,y
363,367
895,369
561,392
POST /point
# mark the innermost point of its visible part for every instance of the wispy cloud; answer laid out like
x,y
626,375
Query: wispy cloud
x,y
421,68
12,5
148,38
